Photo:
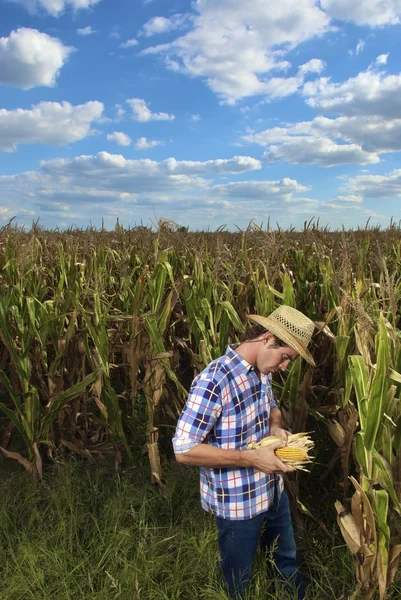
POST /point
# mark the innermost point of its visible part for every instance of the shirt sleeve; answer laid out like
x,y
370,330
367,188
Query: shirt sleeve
x,y
201,411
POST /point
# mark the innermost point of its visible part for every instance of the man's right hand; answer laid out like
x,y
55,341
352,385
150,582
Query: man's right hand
x,y
265,460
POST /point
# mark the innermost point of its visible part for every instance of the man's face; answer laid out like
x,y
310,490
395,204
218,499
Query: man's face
x,y
271,359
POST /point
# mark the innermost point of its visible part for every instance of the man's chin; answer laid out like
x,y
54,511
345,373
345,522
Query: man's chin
x,y
268,371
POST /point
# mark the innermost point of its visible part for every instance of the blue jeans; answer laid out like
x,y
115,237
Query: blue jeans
x,y
239,540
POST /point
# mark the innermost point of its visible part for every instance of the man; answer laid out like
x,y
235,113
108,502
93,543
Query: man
x,y
230,405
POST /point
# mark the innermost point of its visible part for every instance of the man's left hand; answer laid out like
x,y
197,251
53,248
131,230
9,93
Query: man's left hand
x,y
281,433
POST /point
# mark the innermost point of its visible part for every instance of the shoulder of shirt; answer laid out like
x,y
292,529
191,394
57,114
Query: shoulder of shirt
x,y
217,371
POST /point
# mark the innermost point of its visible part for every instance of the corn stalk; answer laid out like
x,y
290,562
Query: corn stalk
x,y
376,501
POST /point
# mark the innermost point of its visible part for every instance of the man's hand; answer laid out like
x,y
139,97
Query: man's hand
x,y
280,432
265,460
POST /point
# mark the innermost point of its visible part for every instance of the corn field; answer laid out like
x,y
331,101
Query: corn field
x,y
102,333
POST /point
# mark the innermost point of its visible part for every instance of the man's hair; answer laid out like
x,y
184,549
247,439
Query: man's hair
x,y
252,333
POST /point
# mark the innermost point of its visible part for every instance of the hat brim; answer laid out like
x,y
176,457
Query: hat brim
x,y
284,335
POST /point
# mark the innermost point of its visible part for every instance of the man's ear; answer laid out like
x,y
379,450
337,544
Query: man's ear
x,y
267,336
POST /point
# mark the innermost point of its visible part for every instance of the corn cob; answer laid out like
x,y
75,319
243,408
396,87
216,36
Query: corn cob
x,y
295,453
289,453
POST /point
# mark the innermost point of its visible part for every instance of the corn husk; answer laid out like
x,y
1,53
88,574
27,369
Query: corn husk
x,y
297,441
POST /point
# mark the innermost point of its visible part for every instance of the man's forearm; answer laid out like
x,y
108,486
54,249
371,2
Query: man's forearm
x,y
264,458
275,418
205,455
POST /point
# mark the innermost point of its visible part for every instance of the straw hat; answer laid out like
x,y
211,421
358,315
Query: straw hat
x,y
291,326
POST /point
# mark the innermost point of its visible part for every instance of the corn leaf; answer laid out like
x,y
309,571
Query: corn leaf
x,y
380,385
360,379
61,401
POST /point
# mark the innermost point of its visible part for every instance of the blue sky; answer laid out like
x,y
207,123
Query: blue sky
x,y
208,113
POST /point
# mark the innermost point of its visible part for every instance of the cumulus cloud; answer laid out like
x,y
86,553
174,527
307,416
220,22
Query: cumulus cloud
x,y
29,58
283,189
235,165
315,65
382,59
320,151
352,199
106,178
144,144
143,114
348,203
50,123
364,12
233,44
163,25
373,135
109,185
279,87
369,93
375,186
86,31
236,46
129,43
55,7
121,138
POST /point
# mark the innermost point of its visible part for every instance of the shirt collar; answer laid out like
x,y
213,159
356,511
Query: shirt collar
x,y
237,360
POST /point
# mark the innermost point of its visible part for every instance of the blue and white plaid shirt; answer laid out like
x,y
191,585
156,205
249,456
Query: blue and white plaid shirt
x,y
229,407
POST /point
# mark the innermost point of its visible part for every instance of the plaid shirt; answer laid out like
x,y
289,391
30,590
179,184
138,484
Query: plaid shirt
x,y
229,407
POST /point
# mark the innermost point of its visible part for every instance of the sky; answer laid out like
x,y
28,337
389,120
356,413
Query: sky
x,y
207,113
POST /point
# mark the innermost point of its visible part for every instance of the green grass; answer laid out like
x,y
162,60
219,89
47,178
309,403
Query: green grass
x,y
97,535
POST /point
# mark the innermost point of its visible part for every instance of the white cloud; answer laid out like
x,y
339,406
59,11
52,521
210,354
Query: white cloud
x,y
382,59
359,47
163,25
121,138
195,117
29,58
235,165
340,205
375,186
106,176
47,123
145,144
352,199
315,65
120,111
143,114
107,185
369,93
373,133
363,140
129,43
86,31
323,152
55,7
279,87
14,211
261,190
234,44
374,13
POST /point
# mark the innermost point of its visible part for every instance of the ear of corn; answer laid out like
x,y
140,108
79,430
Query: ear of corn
x,y
289,453
296,451
337,432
